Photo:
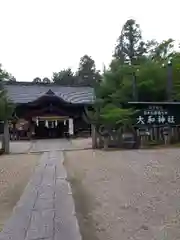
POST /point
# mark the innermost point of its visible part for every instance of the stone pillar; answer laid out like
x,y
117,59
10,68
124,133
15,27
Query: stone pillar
x,y
71,127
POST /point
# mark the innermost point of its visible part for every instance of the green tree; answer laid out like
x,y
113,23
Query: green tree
x,y
87,73
130,46
6,110
3,75
111,109
64,77
163,50
175,75
12,79
151,80
37,80
145,61
108,112
46,80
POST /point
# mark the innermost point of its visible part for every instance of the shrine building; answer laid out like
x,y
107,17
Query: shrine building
x,y
48,110
54,111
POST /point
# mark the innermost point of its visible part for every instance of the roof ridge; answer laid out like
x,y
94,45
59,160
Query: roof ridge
x,y
22,83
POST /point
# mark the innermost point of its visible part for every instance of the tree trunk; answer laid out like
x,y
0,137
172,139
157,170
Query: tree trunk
x,y
100,142
6,139
106,143
94,136
3,143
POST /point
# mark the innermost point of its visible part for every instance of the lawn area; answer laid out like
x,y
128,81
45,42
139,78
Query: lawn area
x,y
15,171
126,194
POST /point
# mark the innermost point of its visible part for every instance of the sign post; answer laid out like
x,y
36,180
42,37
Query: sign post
x,y
143,133
155,115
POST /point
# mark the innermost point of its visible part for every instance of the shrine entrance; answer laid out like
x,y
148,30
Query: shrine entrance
x,y
51,127
50,117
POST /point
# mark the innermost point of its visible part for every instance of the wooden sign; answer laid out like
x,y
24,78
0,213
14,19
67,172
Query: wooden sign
x,y
155,115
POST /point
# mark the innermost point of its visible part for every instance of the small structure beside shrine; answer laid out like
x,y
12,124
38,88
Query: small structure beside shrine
x,y
48,110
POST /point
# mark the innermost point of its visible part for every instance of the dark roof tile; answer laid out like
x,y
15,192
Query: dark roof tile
x,y
29,93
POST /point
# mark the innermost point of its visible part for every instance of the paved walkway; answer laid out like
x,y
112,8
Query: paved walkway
x,y
17,147
46,208
49,145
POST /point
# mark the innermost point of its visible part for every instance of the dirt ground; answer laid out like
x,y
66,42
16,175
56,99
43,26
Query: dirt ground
x,y
15,171
126,194
81,143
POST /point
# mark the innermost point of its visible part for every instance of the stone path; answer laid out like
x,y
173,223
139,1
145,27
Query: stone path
x,y
50,144
46,208
18,147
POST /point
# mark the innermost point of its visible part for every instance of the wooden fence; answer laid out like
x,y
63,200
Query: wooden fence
x,y
155,135
152,135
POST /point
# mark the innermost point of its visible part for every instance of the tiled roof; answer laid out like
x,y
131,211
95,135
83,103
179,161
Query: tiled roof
x,y
26,93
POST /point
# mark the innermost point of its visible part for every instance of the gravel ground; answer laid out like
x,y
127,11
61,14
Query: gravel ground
x,y
126,194
15,171
81,143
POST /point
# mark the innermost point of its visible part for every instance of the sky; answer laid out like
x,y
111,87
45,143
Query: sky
x,y
39,37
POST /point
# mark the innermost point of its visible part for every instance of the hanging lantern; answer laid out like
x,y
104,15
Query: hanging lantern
x,y
56,123
71,126
37,122
46,124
